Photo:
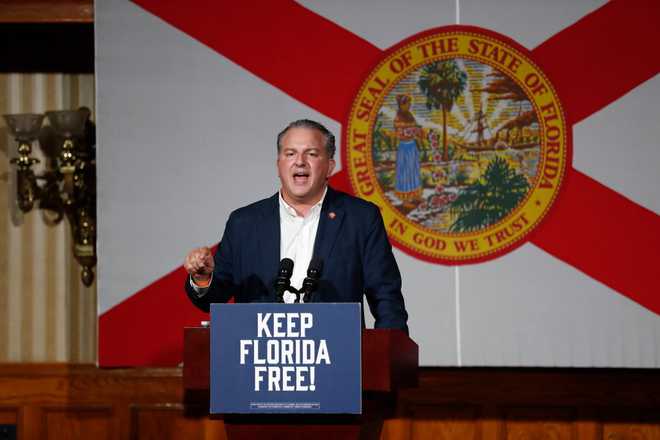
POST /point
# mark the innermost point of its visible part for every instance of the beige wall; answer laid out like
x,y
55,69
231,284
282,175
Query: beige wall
x,y
46,314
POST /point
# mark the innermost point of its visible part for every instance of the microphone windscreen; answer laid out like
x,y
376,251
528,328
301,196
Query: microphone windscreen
x,y
315,267
286,267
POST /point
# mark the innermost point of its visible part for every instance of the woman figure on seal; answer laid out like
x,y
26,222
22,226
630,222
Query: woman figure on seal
x,y
407,186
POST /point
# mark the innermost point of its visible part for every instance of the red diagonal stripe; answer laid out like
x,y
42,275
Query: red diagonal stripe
x,y
606,236
308,57
340,181
603,56
147,328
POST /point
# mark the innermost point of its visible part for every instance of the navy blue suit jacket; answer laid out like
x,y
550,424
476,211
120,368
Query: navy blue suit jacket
x,y
357,258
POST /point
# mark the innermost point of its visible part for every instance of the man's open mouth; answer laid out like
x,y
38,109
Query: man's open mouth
x,y
300,177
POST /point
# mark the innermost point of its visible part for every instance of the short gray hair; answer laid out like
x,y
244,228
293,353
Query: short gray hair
x,y
308,123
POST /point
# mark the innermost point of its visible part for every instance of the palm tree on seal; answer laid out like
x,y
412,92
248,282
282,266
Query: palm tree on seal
x,y
442,82
490,198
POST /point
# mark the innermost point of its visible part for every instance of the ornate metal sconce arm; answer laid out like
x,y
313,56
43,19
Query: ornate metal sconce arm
x,y
69,178
27,189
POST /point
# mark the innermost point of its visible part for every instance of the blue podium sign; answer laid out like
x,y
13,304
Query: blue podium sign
x,y
286,358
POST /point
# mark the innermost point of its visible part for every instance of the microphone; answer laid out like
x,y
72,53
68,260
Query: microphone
x,y
283,281
311,282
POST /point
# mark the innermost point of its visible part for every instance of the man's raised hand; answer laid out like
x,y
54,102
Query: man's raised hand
x,y
199,264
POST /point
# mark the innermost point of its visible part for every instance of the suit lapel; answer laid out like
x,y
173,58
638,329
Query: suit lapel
x,y
332,216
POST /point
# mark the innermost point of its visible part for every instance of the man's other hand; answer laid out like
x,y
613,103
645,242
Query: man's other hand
x,y
199,264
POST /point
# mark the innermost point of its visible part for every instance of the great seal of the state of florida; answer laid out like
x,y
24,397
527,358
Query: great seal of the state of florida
x,y
460,139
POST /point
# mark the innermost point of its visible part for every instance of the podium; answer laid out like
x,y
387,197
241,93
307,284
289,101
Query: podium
x,y
389,362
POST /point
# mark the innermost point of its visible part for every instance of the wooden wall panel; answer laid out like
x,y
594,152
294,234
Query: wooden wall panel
x,y
445,422
8,415
78,422
539,423
630,431
81,401
625,423
169,421
47,11
398,428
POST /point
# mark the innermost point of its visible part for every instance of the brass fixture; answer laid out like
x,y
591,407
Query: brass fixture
x,y
67,185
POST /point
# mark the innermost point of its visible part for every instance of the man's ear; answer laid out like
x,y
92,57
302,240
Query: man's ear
x,y
331,167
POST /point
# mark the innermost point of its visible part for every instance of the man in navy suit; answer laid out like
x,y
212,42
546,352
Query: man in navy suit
x,y
306,219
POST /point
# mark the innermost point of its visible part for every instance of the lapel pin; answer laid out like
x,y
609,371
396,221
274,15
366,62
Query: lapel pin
x,y
332,215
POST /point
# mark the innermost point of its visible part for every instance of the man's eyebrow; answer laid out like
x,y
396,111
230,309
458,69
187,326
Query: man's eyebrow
x,y
306,150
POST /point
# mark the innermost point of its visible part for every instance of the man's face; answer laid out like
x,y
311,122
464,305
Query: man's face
x,y
303,165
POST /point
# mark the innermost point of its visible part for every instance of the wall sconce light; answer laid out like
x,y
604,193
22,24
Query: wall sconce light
x,y
67,186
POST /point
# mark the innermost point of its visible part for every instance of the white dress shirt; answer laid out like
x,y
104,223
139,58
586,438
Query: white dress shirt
x,y
297,236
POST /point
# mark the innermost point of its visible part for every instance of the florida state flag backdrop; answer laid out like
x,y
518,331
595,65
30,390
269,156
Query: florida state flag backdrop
x,y
512,146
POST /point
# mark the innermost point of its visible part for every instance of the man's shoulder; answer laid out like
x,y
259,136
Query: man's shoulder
x,y
255,209
354,204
